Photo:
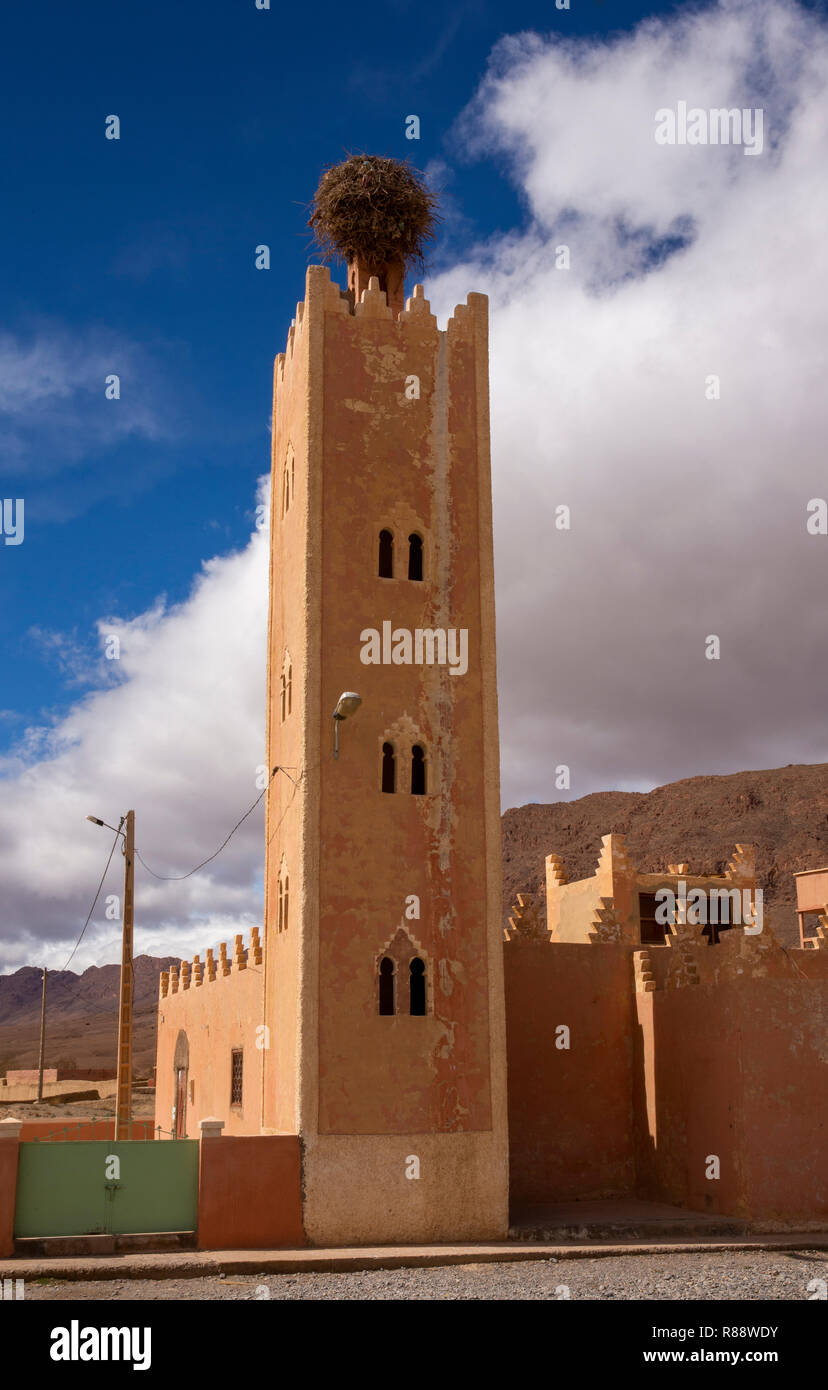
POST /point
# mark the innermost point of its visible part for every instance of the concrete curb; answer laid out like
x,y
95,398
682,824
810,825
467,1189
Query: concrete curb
x,y
213,1262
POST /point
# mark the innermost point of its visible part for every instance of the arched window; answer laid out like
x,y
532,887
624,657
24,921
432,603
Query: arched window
x,y
418,771
386,555
285,688
386,986
288,481
284,900
389,768
417,988
415,556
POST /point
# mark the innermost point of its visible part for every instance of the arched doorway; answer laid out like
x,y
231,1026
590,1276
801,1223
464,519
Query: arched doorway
x,y
181,1067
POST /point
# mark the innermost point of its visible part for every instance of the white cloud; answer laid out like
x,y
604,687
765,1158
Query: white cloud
x,y
688,514
53,407
179,740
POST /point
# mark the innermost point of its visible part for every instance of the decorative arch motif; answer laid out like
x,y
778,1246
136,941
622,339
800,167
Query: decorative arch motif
x,y
402,976
405,762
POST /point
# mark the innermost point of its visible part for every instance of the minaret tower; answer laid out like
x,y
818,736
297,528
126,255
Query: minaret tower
x,y
383,982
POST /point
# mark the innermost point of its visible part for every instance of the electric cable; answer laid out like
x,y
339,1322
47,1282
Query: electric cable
x,y
98,892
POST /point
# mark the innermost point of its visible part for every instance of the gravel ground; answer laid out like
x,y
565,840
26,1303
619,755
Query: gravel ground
x,y
741,1275
143,1108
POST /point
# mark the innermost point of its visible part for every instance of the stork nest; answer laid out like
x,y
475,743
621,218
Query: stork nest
x,y
373,209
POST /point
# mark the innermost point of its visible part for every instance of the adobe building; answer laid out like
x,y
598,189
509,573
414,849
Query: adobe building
x,y
370,1021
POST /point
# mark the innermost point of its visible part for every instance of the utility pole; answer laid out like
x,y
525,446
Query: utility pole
x,y
124,1083
42,1039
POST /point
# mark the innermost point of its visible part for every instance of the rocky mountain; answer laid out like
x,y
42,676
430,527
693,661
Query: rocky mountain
x,y
81,1015
783,812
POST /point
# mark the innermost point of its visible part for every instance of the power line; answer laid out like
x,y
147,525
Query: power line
x,y
97,894
177,878
296,786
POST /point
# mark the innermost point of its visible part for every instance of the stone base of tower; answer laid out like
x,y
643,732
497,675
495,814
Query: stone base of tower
x,y
356,1190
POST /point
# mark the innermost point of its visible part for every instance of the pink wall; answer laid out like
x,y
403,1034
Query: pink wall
x,y
570,1112
250,1193
737,1071
655,1084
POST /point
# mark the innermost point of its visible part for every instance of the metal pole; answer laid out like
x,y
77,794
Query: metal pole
x,y
42,1039
124,1082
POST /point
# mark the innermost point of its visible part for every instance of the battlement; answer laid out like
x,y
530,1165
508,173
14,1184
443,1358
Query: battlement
x,y
322,293
193,974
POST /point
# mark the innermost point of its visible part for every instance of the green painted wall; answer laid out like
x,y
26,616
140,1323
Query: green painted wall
x,y
70,1189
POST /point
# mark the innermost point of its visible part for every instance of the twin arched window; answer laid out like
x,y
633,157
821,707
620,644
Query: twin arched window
x,y
386,555
418,769
416,987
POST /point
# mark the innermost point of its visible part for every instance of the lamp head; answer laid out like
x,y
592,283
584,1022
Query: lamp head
x,y
348,703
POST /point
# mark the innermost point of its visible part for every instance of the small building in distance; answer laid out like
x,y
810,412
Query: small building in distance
x,y
811,904
621,903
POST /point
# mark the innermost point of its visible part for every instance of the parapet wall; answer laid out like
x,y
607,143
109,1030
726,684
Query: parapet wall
x,y
196,974
373,304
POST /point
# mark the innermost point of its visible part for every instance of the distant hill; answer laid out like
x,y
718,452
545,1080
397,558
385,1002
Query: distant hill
x,y
81,1015
783,812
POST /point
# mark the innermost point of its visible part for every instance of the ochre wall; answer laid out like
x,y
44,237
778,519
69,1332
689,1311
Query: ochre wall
x,y
216,1016
570,1112
250,1193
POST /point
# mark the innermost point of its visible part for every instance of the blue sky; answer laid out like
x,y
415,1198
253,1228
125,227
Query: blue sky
x,y
141,251
136,257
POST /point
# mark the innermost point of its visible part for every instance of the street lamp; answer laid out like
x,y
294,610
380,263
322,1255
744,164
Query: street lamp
x,y
348,703
123,1087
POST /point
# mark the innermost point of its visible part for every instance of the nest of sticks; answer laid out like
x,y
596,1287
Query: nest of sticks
x,y
373,209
